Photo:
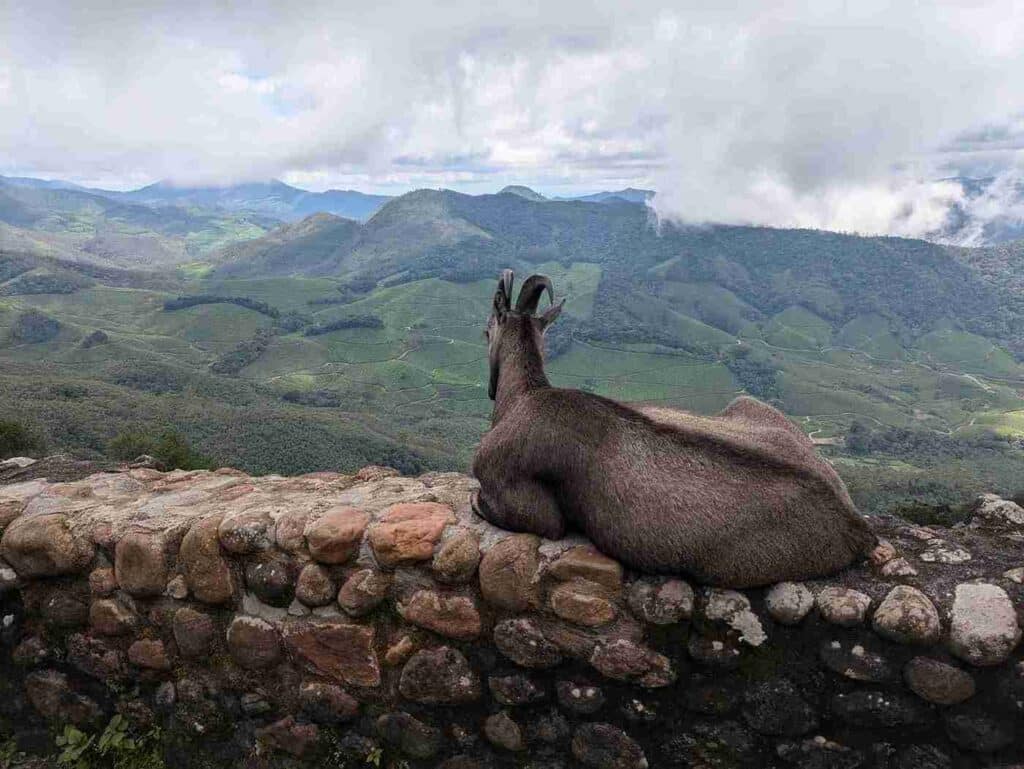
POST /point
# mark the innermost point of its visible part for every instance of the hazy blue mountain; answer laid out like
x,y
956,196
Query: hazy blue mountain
x,y
72,222
54,184
630,195
273,198
521,191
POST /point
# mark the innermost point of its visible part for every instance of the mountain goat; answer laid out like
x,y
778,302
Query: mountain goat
x,y
739,499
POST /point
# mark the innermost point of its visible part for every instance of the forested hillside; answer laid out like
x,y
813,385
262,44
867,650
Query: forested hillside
x,y
329,342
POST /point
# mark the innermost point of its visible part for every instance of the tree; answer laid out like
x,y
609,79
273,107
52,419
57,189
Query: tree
x,y
169,448
15,439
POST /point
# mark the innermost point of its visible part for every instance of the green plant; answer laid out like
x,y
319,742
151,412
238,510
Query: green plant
x,y
373,758
114,747
74,745
169,447
9,751
14,439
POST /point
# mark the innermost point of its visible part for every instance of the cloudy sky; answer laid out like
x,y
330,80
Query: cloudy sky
x,y
840,115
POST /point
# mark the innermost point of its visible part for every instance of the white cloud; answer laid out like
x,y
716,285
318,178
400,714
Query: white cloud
x,y
821,114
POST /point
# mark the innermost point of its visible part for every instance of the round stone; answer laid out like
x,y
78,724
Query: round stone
x,y
140,564
249,531
194,632
586,562
254,643
327,703
624,660
603,746
454,616
111,617
95,658
102,581
579,698
522,642
150,654
364,591
409,735
457,559
272,580
855,662
660,601
290,532
508,571
503,732
843,606
776,708
789,602
938,682
408,532
906,615
992,510
206,570
314,586
335,536
583,603
44,546
983,627
514,690
440,676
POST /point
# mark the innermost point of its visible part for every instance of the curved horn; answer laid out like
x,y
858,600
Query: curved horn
x,y
530,293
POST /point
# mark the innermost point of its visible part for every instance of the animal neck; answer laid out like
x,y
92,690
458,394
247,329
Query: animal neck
x,y
521,370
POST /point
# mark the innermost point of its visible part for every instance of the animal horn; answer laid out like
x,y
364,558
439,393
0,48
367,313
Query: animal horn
x,y
529,295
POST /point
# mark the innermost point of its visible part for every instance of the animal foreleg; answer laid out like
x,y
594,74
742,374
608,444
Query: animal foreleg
x,y
520,506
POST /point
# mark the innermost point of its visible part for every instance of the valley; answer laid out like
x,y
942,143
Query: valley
x,y
329,344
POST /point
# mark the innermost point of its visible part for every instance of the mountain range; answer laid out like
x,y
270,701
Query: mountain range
x,y
327,341
273,198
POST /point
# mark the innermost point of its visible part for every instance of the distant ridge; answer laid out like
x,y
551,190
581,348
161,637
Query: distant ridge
x,y
273,198
629,195
521,191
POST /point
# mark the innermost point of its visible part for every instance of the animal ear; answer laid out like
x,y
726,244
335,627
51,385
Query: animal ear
x,y
500,308
533,289
549,315
503,296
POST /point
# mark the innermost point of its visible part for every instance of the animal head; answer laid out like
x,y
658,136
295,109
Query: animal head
x,y
509,326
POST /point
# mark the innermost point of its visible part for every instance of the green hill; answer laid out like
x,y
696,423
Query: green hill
x,y
79,224
369,337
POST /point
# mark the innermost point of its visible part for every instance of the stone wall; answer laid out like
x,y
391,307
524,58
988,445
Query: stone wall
x,y
373,620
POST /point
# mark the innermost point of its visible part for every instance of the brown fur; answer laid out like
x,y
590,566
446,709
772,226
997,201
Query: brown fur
x,y
739,499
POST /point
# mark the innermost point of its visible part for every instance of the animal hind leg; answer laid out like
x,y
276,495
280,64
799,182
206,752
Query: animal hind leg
x,y
520,506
